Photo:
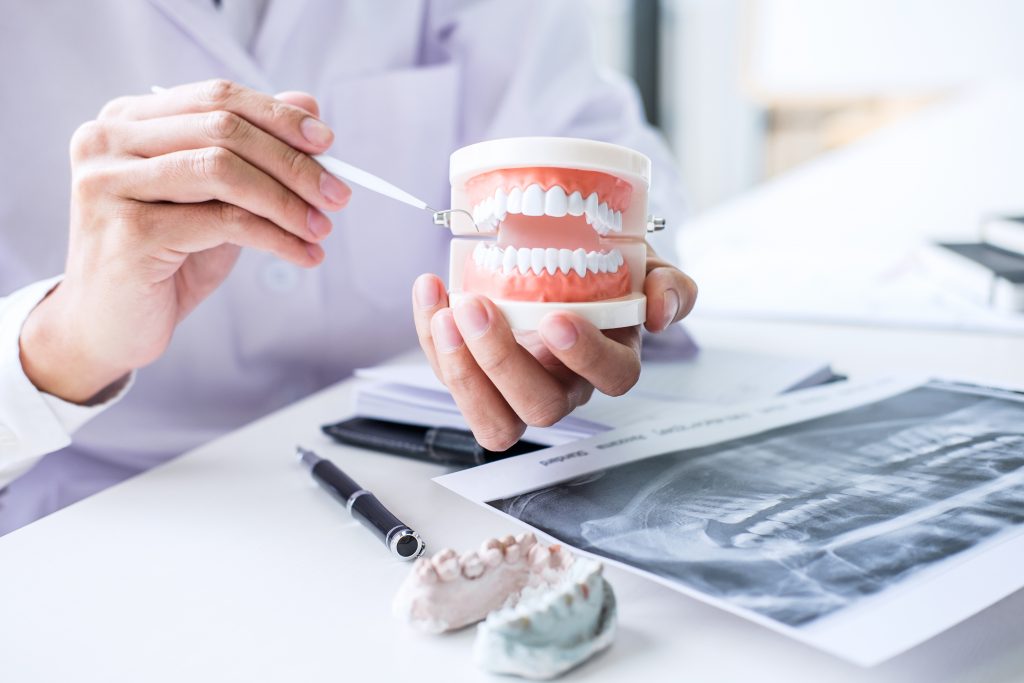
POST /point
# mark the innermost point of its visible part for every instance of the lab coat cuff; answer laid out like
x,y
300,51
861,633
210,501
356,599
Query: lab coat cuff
x,y
33,423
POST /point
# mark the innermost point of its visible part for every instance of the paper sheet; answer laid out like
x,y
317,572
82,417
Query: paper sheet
x,y
412,393
859,518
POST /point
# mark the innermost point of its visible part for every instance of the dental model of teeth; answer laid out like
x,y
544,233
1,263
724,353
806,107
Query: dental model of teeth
x,y
546,611
553,224
551,629
554,202
525,259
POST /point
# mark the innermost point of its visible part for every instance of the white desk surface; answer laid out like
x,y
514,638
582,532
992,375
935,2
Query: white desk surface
x,y
228,564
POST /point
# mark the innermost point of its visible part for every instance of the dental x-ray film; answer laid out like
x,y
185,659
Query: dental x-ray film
x,y
859,518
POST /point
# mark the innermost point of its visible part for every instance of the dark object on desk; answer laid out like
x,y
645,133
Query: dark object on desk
x,y
431,444
1005,232
403,542
986,274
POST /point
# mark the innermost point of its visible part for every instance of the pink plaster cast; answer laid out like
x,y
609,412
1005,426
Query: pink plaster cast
x,y
449,591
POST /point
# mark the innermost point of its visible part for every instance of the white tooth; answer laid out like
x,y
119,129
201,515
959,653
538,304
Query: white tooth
x,y
618,257
494,259
579,262
602,213
513,553
551,260
533,201
576,204
537,260
564,260
556,204
515,200
500,203
472,566
479,253
592,261
508,260
591,208
522,260
617,227
613,264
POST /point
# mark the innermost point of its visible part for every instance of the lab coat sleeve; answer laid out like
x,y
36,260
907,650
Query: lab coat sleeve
x,y
33,423
530,68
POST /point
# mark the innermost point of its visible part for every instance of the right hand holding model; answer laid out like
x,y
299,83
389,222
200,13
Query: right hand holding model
x,y
165,190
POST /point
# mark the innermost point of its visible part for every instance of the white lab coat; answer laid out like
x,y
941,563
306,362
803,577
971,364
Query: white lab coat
x,y
402,83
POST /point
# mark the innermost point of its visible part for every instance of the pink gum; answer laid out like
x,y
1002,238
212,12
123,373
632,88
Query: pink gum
x,y
615,191
559,287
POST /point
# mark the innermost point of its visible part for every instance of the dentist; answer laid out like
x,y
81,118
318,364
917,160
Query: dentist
x,y
193,269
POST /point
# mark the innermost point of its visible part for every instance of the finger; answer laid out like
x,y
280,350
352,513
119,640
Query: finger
x,y
670,293
428,297
670,296
609,360
532,392
494,423
215,173
191,228
290,167
302,100
285,121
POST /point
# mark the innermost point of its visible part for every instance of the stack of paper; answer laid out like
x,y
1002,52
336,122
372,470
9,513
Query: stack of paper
x,y
413,395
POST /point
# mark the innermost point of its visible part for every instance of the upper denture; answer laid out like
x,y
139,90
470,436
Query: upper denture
x,y
546,191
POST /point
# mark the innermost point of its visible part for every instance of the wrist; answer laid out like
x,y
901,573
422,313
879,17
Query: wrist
x,y
57,360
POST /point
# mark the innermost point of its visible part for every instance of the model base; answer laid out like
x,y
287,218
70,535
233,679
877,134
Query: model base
x,y
608,314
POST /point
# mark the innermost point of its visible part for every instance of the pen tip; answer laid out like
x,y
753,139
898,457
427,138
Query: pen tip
x,y
306,456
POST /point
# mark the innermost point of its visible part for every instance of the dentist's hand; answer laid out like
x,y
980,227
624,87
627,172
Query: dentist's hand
x,y
165,190
503,382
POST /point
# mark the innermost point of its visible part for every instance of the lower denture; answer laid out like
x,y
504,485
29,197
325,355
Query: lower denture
x,y
546,287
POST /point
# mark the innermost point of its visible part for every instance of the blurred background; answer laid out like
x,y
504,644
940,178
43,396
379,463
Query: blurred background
x,y
829,146
747,89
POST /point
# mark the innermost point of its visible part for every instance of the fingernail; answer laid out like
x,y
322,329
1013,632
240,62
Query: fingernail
x,y
426,292
446,335
333,190
319,224
472,317
559,332
316,252
669,307
316,132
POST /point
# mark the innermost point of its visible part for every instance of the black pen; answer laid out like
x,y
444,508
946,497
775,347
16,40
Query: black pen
x,y
441,445
402,541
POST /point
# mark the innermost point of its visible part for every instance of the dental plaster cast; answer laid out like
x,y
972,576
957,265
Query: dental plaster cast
x,y
550,629
564,221
546,611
